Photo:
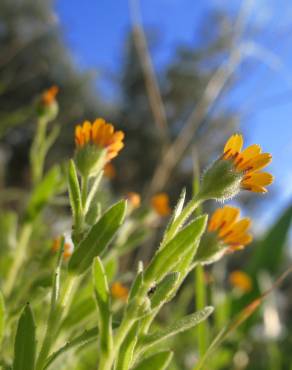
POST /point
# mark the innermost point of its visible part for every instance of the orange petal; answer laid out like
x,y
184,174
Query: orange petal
x,y
258,178
254,188
233,145
238,228
86,131
216,219
248,153
258,162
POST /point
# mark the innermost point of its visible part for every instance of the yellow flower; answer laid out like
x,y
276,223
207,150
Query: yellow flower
x,y
240,280
119,291
249,162
160,203
49,95
68,248
100,134
134,199
229,229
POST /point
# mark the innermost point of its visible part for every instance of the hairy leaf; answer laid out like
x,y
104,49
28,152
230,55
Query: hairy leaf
x,y
97,238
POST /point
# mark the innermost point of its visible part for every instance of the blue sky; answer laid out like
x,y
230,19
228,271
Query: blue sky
x,y
95,30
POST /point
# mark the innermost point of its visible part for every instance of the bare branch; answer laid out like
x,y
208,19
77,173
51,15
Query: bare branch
x,y
152,88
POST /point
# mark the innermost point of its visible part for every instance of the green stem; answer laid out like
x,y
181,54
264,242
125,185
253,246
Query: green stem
x,y
20,254
201,302
57,312
38,151
107,361
181,219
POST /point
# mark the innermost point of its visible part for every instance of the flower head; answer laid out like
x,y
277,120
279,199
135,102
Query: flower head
x,y
49,95
249,162
96,144
229,229
236,170
119,291
240,280
226,233
160,203
100,134
47,106
134,199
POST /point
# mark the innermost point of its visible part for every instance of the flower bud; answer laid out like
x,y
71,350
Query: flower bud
x,y
210,250
47,107
220,181
90,160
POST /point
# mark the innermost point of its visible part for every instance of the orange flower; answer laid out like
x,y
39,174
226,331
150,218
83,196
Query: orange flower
x,y
68,248
249,162
231,231
240,280
102,135
119,291
134,199
160,203
49,95
110,171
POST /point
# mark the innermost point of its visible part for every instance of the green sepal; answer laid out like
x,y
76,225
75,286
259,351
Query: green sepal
x,y
98,238
211,249
221,181
25,342
90,160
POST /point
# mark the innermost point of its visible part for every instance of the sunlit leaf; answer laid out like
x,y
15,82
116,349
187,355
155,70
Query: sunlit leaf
x,y
97,238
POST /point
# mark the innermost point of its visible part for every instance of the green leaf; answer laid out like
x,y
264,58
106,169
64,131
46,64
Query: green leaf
x,y
2,318
74,190
103,302
137,283
166,258
268,252
164,290
87,337
93,191
179,326
127,349
43,192
177,210
25,343
159,361
97,238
